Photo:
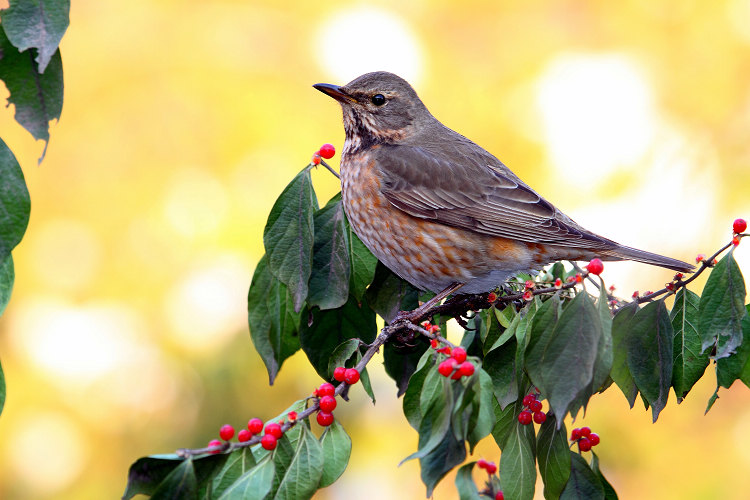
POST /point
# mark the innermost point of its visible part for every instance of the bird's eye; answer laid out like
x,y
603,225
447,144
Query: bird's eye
x,y
378,99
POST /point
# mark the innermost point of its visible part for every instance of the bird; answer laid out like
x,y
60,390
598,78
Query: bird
x,y
439,210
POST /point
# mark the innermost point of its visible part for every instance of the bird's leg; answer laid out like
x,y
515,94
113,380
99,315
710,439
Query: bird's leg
x,y
416,314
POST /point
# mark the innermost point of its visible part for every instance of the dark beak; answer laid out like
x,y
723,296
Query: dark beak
x,y
334,91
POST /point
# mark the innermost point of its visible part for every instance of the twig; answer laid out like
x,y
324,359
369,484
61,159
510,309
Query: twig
x,y
330,169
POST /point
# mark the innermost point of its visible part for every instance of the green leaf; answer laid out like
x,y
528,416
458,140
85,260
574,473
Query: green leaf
x,y
609,491
553,456
517,467
411,403
147,473
7,277
389,294
467,489
689,364
362,264
650,344
288,236
180,483
303,475
337,448
237,463
542,329
2,389
364,379
329,278
583,483
745,374
567,363
40,24
401,361
341,355
37,97
436,419
15,206
500,364
254,484
482,417
621,327
722,307
325,330
446,455
605,354
730,369
274,324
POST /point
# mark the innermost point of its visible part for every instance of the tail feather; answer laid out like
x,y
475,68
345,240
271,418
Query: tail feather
x,y
628,253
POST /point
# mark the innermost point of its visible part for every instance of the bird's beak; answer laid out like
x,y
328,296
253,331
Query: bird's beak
x,y
334,91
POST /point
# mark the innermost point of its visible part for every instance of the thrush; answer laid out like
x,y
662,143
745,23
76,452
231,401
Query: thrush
x,y
439,210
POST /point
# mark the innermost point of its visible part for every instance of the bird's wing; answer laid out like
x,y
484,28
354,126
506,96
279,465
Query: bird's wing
x,y
459,184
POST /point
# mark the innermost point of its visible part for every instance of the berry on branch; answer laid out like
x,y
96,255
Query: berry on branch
x,y
739,226
324,418
595,266
326,389
273,429
226,432
327,151
244,435
255,425
351,376
338,373
459,354
327,404
268,441
525,417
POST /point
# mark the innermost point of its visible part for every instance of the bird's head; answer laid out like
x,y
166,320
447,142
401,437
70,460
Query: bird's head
x,y
378,107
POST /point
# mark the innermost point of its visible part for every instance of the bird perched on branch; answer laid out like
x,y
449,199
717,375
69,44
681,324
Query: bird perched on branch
x,y
439,210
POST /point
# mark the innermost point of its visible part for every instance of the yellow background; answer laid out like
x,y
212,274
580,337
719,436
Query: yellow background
x,y
126,334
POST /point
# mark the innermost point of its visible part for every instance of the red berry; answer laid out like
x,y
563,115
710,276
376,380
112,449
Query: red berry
x,y
214,442
327,404
584,444
466,369
292,416
316,159
351,376
739,226
326,389
595,266
525,417
585,431
324,418
535,405
575,434
255,425
445,350
244,435
579,278
678,276
492,297
273,429
735,241
527,295
446,367
226,432
635,294
540,417
338,373
268,441
527,399
482,463
499,496
594,438
434,343
700,257
529,284
558,283
327,151
434,329
459,354
491,468
612,289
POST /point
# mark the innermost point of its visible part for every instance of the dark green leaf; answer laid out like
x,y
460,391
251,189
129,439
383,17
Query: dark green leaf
x,y
745,374
558,271
401,361
364,379
505,421
500,364
621,328
180,483
567,363
37,97
609,491
542,328
583,483
553,456
650,354
722,307
325,330
343,352
467,489
389,294
288,236
40,24
411,404
482,417
363,264
273,323
730,369
7,277
689,363
440,460
15,206
337,447
329,278
517,467
436,419
147,473
238,463
605,355
254,484
493,330
303,475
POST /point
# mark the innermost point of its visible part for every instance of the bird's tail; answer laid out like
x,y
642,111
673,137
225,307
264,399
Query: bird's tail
x,y
628,253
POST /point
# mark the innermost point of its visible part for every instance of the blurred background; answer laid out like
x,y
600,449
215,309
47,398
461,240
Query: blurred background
x,y
126,334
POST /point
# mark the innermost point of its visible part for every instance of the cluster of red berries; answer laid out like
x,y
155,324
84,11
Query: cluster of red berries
x,y
585,438
271,434
456,365
578,278
326,151
533,410
528,286
491,468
